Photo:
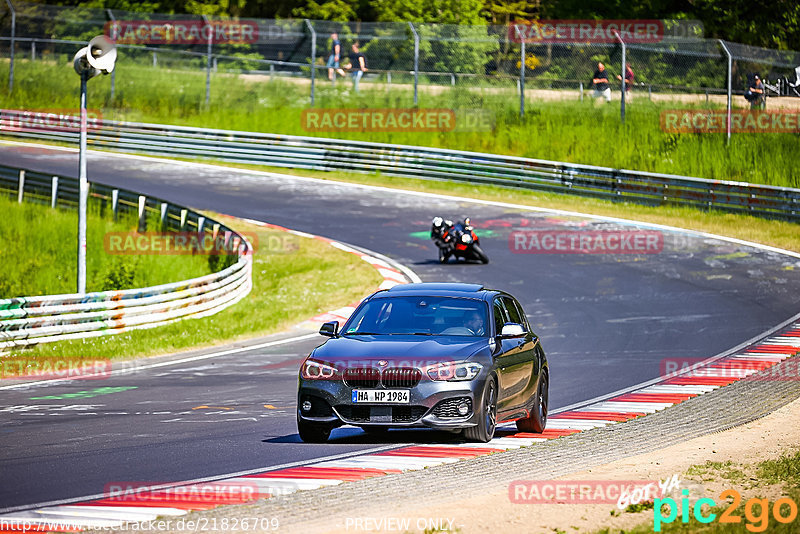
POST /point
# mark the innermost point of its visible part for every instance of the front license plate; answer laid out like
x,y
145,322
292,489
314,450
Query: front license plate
x,y
380,396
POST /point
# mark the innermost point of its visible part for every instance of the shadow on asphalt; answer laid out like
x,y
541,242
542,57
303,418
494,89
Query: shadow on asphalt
x,y
418,436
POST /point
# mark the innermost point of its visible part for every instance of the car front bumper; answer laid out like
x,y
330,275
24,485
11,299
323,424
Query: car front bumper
x,y
431,404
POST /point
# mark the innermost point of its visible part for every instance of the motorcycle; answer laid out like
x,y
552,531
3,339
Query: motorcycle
x,y
459,240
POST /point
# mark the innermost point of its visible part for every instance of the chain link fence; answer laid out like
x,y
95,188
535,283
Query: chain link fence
x,y
417,60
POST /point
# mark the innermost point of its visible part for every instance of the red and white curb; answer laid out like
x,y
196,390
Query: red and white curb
x,y
115,511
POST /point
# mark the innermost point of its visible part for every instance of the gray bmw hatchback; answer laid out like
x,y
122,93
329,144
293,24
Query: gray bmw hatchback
x,y
445,356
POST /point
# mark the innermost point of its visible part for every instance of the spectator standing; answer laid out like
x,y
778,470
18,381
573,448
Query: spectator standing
x,y
755,93
358,62
628,82
333,59
600,83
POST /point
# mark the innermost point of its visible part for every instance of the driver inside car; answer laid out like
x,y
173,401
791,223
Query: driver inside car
x,y
474,322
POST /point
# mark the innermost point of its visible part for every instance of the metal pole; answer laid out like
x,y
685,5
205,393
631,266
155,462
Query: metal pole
x,y
521,73
416,60
54,192
624,72
313,57
208,60
83,192
13,32
730,87
114,35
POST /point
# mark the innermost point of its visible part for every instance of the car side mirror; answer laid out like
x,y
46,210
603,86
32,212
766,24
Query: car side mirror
x,y
512,330
330,329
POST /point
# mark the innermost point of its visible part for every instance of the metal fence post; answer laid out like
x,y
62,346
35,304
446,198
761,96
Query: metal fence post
x,y
54,192
313,57
416,60
114,35
13,32
21,186
114,202
33,50
521,73
730,89
624,81
142,213
208,59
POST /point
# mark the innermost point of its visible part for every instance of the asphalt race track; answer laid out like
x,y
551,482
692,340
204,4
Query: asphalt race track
x,y
607,321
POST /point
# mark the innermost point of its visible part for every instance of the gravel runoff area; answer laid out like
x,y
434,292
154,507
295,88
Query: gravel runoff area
x,y
329,508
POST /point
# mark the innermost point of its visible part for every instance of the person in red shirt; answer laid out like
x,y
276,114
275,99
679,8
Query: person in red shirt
x,y
628,82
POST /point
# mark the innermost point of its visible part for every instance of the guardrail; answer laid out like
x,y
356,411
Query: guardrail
x,y
31,320
318,153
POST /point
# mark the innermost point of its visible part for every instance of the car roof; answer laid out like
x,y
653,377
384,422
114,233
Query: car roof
x,y
443,289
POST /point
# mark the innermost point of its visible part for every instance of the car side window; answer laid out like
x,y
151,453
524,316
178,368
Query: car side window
x,y
526,322
514,315
500,317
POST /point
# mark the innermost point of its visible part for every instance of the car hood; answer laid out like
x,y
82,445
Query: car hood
x,y
399,350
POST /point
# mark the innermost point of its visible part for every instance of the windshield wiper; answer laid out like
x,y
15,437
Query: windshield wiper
x,y
361,333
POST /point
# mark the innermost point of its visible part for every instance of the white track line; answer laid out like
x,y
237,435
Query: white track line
x,y
627,407
677,388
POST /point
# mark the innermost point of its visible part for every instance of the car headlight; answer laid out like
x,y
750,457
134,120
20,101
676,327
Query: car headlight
x,y
454,372
312,370
466,238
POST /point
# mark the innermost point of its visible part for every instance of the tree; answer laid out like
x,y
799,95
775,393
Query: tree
x,y
335,10
773,24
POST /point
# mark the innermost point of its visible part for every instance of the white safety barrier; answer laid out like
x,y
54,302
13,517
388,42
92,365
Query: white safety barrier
x,y
31,320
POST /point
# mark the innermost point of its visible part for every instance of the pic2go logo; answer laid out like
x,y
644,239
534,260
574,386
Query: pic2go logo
x,y
756,511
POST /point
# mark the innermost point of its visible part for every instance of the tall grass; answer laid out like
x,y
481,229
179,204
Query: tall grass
x,y
39,251
290,283
569,131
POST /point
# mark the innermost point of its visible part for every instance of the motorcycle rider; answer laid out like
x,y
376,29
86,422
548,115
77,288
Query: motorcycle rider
x,y
440,234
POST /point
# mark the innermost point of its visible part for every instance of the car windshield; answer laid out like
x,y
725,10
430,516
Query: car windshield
x,y
424,316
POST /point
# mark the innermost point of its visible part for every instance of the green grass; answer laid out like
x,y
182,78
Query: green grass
x,y
785,469
563,131
291,285
712,470
39,251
